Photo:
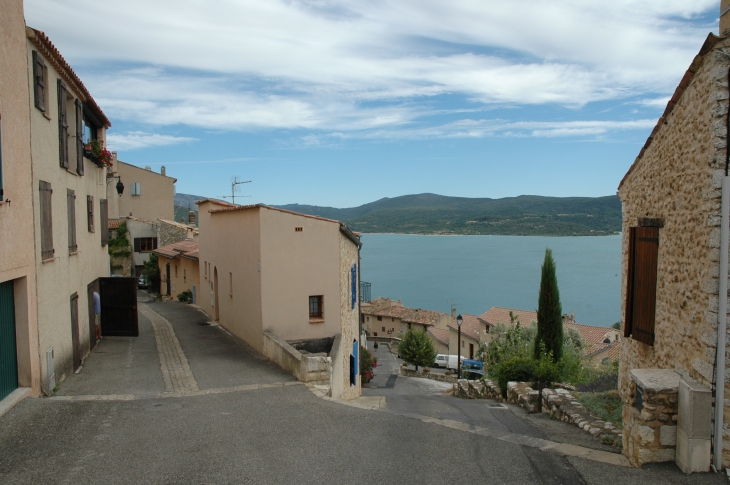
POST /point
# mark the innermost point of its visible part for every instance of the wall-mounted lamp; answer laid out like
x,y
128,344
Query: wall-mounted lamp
x,y
120,185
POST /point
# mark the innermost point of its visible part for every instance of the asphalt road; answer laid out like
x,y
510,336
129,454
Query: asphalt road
x,y
268,430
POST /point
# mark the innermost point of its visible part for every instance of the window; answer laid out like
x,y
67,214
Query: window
x,y
641,281
79,137
104,221
71,205
462,344
316,308
62,125
88,130
230,283
47,250
90,212
135,188
383,329
380,319
40,81
146,245
185,275
298,229
175,270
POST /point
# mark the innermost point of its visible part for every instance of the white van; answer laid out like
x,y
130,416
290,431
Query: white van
x,y
442,360
451,364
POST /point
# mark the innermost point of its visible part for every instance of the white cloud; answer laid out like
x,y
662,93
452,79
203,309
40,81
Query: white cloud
x,y
358,65
133,140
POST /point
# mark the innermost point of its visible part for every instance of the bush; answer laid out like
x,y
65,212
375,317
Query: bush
x,y
366,365
186,296
515,369
152,271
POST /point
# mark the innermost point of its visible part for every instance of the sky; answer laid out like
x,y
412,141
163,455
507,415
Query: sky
x,y
341,103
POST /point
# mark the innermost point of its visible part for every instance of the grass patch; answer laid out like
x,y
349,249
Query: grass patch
x,y
606,405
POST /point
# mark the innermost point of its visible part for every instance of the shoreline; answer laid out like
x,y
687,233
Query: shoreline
x,y
483,235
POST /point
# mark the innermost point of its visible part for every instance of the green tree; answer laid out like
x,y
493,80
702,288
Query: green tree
x,y
152,271
417,349
549,312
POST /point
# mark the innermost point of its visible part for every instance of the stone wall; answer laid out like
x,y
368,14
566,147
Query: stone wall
x,y
349,324
427,375
316,369
678,179
172,232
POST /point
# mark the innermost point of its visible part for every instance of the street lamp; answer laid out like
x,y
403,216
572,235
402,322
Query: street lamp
x,y
119,186
459,321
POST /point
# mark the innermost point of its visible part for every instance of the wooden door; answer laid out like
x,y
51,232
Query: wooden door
x,y
119,307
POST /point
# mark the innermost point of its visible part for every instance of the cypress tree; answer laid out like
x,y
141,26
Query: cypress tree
x,y
549,311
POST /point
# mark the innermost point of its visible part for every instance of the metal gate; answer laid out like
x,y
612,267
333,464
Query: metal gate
x,y
8,352
119,307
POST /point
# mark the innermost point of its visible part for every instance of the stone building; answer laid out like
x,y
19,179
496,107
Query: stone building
x,y
384,317
169,232
671,250
287,284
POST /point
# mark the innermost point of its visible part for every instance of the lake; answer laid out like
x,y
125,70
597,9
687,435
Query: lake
x,y
479,272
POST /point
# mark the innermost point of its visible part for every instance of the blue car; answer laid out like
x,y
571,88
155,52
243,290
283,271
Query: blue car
x,y
472,369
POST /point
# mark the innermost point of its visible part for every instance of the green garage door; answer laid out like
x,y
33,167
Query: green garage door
x,y
8,355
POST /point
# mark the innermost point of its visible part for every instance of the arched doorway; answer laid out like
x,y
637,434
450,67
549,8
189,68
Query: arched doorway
x,y
215,293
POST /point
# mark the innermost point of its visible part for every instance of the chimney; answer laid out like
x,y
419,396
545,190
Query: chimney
x,y
191,218
453,313
724,16
162,170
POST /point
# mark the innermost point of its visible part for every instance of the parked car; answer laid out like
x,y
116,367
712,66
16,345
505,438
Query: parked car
x,y
442,360
472,369
143,282
452,362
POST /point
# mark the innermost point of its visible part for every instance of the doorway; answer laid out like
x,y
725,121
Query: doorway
x,y
215,293
75,331
471,351
90,289
167,278
8,349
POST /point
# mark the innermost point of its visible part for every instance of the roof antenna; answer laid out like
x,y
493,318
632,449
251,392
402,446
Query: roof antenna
x,y
234,188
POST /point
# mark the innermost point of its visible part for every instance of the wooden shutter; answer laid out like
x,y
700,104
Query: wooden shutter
x,y
46,221
2,194
137,244
71,204
104,221
641,284
39,82
79,137
90,212
62,125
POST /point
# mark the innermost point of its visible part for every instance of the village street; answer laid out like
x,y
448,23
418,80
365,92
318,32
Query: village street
x,y
186,403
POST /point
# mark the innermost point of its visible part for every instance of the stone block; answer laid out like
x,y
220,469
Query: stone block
x,y
646,434
694,415
656,455
656,380
704,368
668,435
693,455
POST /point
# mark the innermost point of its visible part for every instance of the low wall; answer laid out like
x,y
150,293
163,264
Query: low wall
x,y
307,369
559,403
427,375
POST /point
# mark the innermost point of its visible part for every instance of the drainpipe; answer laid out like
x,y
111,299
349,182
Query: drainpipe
x,y
722,308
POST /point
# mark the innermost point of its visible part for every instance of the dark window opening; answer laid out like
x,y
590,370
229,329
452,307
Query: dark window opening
x,y
316,306
145,244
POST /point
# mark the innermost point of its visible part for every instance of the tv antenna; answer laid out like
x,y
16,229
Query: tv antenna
x,y
234,188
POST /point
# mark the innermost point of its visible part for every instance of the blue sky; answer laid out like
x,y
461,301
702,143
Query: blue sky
x,y
340,103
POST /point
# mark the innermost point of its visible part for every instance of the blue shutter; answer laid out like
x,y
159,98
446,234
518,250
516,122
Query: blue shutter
x,y
354,362
353,290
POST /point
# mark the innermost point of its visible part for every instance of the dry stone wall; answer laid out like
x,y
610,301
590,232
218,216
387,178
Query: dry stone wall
x,y
678,180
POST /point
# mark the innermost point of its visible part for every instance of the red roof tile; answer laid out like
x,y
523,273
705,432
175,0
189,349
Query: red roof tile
x,y
440,334
186,248
498,314
471,326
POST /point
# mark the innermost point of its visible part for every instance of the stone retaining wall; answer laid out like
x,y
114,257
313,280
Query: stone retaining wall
x,y
316,369
428,375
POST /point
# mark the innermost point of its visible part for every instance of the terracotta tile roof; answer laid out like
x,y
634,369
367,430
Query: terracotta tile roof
x,y
470,327
709,43
49,51
440,334
176,224
115,223
186,248
411,315
498,314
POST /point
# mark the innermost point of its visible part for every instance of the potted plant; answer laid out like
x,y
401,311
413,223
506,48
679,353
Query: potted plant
x,y
98,154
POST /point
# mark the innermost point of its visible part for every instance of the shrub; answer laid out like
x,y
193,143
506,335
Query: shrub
x,y
549,312
545,370
515,369
366,365
186,296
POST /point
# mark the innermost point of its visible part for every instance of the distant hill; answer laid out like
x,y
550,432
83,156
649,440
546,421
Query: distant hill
x,y
183,204
526,215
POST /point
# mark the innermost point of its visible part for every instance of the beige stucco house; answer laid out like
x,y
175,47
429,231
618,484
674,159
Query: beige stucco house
x,y
440,338
147,195
474,330
279,281
20,371
672,252
384,317
179,268
69,208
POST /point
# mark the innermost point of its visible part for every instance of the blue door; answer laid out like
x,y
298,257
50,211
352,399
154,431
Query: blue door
x,y
8,353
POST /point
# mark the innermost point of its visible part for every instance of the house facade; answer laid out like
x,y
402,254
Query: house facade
x,y
269,271
147,195
671,249
474,331
179,268
384,317
69,208
20,366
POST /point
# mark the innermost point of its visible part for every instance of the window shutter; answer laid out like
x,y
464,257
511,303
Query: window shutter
x,y
104,221
71,205
154,243
46,221
62,125
79,137
641,284
137,244
90,212
2,194
39,87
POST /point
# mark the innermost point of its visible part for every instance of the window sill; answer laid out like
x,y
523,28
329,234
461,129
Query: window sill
x,y
45,115
73,253
316,320
72,172
49,260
